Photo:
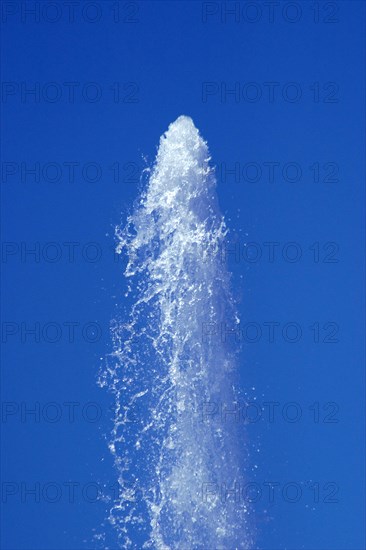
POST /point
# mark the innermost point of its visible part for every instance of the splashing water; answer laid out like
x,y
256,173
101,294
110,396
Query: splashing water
x,y
176,469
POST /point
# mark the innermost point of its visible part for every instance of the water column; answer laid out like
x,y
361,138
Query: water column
x,y
179,460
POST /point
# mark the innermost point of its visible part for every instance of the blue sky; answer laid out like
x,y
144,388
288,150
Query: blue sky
x,y
279,96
